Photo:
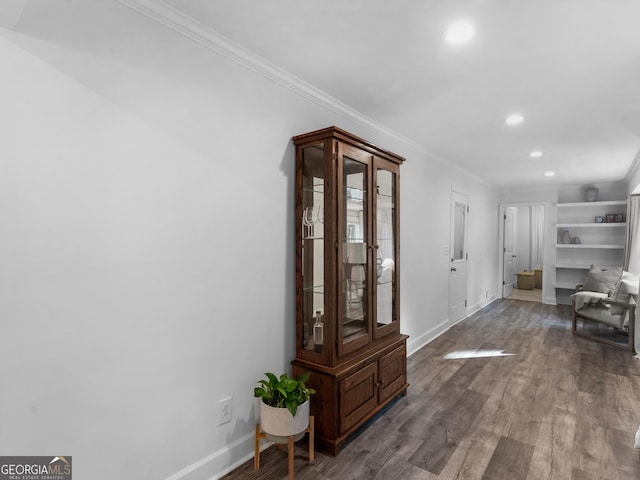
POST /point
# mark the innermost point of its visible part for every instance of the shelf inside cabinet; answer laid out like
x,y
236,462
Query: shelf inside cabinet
x,y
355,194
353,327
316,188
590,225
566,285
596,246
319,289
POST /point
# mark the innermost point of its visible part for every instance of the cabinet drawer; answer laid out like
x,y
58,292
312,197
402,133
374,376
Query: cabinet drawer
x,y
358,396
393,373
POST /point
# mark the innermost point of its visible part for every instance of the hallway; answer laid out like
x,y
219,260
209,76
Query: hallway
x,y
507,394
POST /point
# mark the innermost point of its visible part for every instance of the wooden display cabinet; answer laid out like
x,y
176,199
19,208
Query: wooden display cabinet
x,y
347,280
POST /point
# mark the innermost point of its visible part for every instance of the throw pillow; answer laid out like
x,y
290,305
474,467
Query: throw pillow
x,y
602,279
627,286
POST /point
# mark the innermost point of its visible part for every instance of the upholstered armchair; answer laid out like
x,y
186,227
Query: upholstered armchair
x,y
605,306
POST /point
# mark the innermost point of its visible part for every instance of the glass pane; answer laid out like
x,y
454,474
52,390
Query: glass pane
x,y
385,258
313,247
458,231
354,249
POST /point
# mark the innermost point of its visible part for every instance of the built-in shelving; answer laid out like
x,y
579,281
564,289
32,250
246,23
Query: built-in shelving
x,y
604,203
593,241
584,266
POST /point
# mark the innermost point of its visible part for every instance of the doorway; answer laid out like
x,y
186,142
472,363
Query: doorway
x,y
522,252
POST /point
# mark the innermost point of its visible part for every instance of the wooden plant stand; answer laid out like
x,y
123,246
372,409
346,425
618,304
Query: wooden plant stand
x,y
290,446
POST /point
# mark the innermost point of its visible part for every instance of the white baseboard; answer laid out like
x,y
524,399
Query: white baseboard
x,y
480,305
221,462
415,344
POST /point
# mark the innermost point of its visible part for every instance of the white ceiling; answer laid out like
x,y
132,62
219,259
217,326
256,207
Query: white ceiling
x,y
571,67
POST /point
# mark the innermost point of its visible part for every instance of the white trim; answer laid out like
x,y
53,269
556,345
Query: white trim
x,y
170,17
221,462
416,344
473,309
204,35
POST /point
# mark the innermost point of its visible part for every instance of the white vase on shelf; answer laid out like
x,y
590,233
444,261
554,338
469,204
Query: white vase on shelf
x,y
591,193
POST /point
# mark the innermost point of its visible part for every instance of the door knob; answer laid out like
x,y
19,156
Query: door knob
x,y
453,269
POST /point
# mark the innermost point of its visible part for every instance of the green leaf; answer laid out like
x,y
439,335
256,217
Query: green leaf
x,y
292,405
283,391
290,385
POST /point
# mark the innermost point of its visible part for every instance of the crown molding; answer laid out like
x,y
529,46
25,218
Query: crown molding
x,y
200,33
172,18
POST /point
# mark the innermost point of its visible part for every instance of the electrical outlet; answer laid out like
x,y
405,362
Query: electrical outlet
x,y
224,410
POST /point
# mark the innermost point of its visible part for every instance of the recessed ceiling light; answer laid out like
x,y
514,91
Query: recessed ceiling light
x,y
459,33
536,154
549,174
514,119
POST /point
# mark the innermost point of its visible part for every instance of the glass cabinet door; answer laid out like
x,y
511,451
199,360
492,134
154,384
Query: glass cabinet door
x,y
353,325
346,248
313,254
385,249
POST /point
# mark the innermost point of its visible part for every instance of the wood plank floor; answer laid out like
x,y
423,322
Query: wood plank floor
x,y
534,295
561,407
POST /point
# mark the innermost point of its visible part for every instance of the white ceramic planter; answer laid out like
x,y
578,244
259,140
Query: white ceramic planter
x,y
279,424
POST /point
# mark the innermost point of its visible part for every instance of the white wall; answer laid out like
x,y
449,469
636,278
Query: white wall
x,y
425,220
633,183
146,234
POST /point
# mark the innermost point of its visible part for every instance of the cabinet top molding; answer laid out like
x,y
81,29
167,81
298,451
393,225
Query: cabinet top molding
x,y
348,137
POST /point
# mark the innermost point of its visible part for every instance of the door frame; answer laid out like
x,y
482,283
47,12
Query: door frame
x,y
546,264
455,195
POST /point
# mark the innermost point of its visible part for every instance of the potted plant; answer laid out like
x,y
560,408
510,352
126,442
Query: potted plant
x,y
284,406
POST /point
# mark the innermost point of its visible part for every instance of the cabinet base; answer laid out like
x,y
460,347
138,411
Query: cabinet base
x,y
349,396
334,446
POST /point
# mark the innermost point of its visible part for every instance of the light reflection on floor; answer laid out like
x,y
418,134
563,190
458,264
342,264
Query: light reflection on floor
x,y
476,354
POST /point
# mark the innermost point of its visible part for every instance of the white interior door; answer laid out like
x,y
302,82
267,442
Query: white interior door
x,y
509,271
459,257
